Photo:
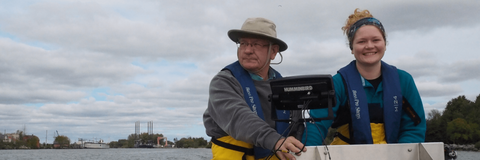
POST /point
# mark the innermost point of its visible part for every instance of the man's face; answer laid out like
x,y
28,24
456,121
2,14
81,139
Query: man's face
x,y
253,54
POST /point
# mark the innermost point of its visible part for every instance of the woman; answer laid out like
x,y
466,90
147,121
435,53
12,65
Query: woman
x,y
376,102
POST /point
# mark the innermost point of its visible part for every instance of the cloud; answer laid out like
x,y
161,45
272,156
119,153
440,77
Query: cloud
x,y
22,96
437,106
421,64
462,71
435,89
35,75
425,15
95,28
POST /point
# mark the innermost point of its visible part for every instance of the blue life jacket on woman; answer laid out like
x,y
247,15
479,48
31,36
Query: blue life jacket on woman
x,y
251,97
392,103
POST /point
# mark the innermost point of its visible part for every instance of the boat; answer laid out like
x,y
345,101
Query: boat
x,y
139,144
96,145
450,154
144,146
403,151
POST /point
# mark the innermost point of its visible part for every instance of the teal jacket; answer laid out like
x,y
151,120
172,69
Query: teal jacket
x,y
408,133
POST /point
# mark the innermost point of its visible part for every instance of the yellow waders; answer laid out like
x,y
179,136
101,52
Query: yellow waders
x,y
378,134
227,148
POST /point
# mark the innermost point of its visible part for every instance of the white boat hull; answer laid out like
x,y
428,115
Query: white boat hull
x,y
96,145
400,151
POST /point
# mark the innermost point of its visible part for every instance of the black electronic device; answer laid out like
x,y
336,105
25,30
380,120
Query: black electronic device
x,y
303,93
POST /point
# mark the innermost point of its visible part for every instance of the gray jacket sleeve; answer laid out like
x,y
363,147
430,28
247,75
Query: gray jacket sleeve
x,y
229,114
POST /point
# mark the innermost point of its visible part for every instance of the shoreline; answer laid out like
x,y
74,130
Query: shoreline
x,y
463,147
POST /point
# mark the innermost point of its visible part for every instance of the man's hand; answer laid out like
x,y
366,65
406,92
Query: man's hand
x,y
290,144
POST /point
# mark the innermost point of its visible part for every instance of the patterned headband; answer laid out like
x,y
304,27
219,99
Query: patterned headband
x,y
362,22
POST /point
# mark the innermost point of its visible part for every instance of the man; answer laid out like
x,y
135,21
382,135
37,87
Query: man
x,y
238,117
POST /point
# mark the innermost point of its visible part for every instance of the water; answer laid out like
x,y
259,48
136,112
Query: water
x,y
464,155
112,153
135,154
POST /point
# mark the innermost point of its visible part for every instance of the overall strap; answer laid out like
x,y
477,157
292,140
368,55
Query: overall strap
x,y
252,99
246,151
358,105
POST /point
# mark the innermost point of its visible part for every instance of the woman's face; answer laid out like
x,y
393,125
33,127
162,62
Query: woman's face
x,y
368,45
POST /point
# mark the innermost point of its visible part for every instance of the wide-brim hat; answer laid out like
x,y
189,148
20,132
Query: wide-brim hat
x,y
258,28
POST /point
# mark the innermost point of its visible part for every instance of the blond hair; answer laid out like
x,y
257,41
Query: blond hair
x,y
357,15
352,19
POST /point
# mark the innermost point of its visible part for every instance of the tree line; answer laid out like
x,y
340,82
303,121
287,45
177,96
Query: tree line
x,y
457,124
146,138
133,139
192,143
23,142
63,142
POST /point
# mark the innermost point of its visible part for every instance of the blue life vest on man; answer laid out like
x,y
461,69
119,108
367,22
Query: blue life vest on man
x,y
251,97
392,103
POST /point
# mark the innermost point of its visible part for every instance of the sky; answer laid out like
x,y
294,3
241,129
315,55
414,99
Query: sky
x,y
90,69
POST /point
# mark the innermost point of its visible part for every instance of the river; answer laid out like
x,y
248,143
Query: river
x,y
464,155
112,153
134,154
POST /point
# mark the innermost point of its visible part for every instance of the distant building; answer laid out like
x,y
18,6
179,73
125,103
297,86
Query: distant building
x,y
3,138
10,137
